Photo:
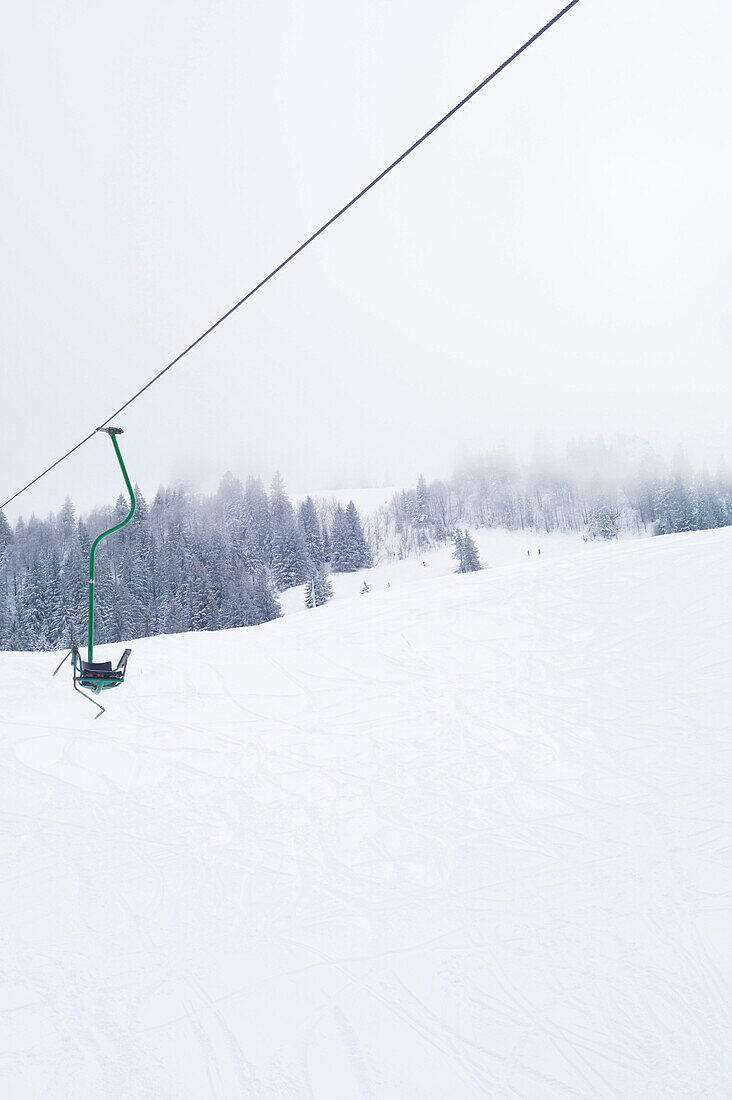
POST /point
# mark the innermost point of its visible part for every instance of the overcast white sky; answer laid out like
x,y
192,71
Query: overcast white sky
x,y
555,260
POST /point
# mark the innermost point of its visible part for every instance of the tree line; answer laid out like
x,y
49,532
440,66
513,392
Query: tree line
x,y
597,489
183,563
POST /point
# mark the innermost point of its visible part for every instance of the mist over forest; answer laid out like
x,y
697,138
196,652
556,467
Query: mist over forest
x,y
191,561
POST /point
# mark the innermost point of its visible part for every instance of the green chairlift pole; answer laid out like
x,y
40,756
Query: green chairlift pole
x,y
112,433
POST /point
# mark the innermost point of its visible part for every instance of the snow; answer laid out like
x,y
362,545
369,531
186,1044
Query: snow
x,y
496,546
463,837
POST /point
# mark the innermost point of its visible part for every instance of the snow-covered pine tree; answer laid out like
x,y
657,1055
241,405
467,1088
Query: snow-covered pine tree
x,y
204,613
21,638
6,535
288,550
289,563
349,550
66,526
280,508
318,589
56,616
214,558
470,554
257,548
264,597
230,502
440,507
421,504
235,520
603,523
311,532
465,552
458,551
172,617
35,599
238,605
359,546
341,554
247,606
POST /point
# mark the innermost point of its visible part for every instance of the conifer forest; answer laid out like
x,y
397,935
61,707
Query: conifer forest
x,y
189,562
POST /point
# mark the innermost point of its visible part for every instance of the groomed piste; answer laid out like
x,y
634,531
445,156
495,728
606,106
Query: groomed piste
x,y
460,838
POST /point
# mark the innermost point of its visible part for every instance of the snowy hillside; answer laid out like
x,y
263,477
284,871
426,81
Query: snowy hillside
x,y
462,837
496,546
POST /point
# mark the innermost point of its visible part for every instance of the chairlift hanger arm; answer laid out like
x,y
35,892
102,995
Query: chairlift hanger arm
x,y
112,433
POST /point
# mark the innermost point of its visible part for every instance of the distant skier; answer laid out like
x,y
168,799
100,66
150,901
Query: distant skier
x,y
539,551
528,553
424,564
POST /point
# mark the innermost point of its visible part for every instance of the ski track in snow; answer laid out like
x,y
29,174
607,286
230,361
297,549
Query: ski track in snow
x,y
464,837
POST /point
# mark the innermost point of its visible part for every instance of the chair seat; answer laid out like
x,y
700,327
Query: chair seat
x,y
97,676
100,674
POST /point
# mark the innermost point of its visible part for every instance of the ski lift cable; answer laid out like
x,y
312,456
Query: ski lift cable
x,y
377,179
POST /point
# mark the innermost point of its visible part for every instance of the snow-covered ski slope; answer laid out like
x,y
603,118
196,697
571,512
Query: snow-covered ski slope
x,y
496,548
461,839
